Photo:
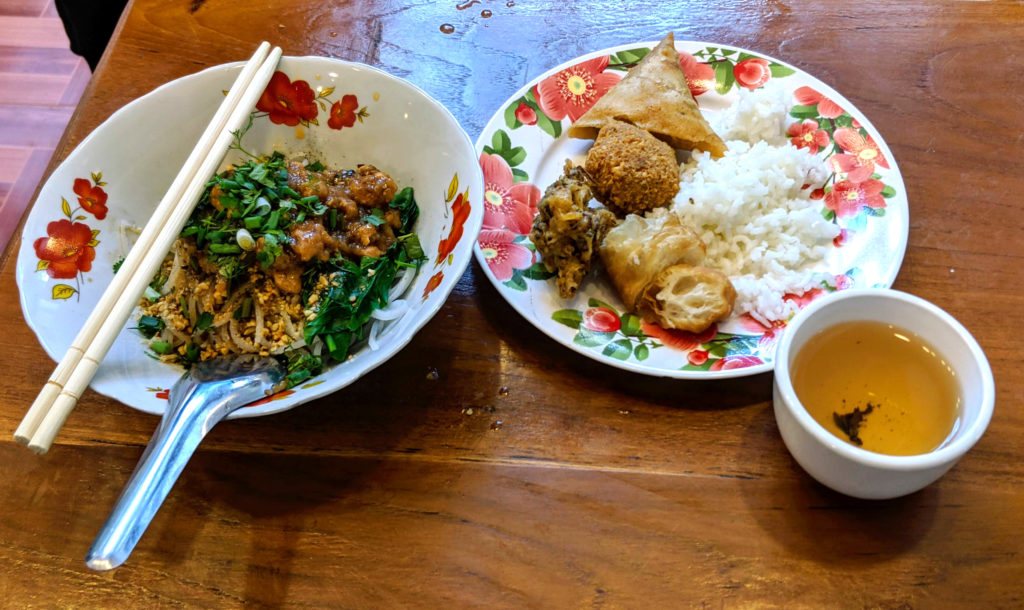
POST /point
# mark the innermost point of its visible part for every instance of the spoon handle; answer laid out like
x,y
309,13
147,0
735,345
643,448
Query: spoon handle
x,y
195,408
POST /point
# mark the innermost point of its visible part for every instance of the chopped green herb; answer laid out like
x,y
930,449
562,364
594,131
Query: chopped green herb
x,y
204,321
149,326
413,249
161,347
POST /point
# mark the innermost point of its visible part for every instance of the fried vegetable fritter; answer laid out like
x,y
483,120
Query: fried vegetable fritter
x,y
566,231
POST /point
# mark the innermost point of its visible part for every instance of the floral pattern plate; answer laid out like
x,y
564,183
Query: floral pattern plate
x,y
524,146
337,112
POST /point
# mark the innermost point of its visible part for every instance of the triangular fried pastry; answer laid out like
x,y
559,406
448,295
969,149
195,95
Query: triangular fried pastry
x,y
654,96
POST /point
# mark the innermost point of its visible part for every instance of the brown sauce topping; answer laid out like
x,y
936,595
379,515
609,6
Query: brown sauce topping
x,y
356,194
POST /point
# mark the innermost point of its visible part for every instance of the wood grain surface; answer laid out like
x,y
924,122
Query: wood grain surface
x,y
579,485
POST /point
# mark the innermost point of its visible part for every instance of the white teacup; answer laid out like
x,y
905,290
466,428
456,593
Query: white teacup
x,y
849,469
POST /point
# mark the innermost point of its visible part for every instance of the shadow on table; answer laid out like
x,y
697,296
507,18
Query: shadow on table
x,y
558,361
825,526
265,475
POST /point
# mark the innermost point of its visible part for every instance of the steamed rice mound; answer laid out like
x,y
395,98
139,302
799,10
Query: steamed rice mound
x,y
752,210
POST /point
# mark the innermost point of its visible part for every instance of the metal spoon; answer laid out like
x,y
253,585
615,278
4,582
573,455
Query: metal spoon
x,y
205,395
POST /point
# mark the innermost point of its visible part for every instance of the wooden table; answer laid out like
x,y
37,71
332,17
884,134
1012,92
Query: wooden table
x,y
572,484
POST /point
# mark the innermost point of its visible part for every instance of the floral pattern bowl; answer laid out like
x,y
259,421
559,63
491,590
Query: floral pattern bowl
x,y
337,112
524,146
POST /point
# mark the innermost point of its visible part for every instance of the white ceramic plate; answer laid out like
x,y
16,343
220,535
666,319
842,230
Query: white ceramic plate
x,y
337,112
524,147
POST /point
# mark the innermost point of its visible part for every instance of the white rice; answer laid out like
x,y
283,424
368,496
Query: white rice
x,y
759,224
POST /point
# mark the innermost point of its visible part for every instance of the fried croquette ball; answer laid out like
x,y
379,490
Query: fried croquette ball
x,y
632,170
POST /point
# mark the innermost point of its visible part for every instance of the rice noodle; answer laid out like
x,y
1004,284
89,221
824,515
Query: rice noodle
x,y
222,334
258,335
371,337
193,311
402,281
179,337
227,310
289,328
172,278
394,310
241,342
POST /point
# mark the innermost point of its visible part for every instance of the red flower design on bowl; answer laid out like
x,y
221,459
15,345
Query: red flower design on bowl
x,y
752,73
288,103
460,212
573,91
432,283
343,113
93,199
502,255
507,203
66,248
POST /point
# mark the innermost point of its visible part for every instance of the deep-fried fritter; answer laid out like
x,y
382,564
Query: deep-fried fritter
x,y
687,298
632,170
566,231
639,248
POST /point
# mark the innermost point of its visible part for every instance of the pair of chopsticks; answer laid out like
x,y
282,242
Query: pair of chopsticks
x,y
51,408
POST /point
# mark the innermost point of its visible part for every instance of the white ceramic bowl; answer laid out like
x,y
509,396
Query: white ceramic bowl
x,y
855,471
346,114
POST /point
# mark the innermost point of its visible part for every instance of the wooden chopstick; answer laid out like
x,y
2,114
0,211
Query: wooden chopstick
x,y
73,374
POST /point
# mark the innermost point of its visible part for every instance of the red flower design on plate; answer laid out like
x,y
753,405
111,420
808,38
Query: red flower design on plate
x,y
843,281
343,113
460,212
679,339
807,135
288,103
525,114
93,199
66,249
574,90
863,155
847,197
697,357
769,333
735,362
803,300
602,320
502,255
506,203
752,73
700,77
826,107
841,239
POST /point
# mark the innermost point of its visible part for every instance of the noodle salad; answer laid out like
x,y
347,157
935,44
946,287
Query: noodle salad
x,y
285,258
